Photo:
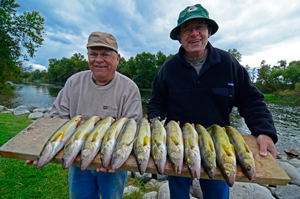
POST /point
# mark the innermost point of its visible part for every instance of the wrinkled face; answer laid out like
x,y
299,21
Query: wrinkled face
x,y
103,62
194,36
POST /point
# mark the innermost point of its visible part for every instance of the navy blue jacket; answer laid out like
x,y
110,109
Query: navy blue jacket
x,y
179,94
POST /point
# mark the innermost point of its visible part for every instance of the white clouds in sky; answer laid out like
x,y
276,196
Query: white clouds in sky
x,y
258,29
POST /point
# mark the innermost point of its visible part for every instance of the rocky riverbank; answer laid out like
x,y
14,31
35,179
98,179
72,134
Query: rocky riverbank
x,y
288,160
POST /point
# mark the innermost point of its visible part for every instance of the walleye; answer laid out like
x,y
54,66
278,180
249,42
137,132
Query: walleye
x,y
243,152
191,150
110,140
93,142
207,151
57,141
175,145
75,142
158,145
225,153
124,144
142,145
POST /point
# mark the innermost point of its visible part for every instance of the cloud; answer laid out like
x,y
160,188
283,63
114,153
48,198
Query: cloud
x,y
258,29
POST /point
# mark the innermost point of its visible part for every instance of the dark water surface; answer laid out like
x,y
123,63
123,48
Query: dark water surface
x,y
286,117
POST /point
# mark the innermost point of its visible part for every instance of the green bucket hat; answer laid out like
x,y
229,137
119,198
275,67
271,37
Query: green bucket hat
x,y
192,12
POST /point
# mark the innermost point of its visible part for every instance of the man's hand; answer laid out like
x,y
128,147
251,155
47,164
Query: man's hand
x,y
104,170
30,162
266,144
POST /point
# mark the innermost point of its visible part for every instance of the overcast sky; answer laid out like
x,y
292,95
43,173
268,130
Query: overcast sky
x,y
259,29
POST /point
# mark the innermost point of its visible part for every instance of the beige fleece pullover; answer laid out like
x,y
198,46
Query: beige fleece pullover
x,y
80,95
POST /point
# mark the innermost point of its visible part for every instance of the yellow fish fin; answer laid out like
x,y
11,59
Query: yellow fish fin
x,y
247,148
102,139
175,140
146,140
191,143
84,137
77,136
211,146
130,143
165,139
233,149
228,151
94,137
57,137
116,134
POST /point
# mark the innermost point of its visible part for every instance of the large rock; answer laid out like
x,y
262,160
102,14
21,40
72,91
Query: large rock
x,y
145,177
47,115
295,162
288,192
2,108
32,107
20,110
150,195
249,191
292,172
292,152
35,115
130,189
196,189
153,183
164,192
38,110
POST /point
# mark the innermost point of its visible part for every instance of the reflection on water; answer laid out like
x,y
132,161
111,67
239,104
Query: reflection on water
x,y
286,117
42,95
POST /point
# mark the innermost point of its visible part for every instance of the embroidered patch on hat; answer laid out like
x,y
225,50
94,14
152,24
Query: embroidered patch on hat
x,y
230,84
193,8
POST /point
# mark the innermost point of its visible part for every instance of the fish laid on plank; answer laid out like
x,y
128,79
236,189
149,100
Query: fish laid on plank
x,y
57,141
124,144
76,141
207,151
175,145
191,150
142,145
225,153
110,140
243,153
93,142
159,145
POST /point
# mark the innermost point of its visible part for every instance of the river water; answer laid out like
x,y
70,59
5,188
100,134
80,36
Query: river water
x,y
286,117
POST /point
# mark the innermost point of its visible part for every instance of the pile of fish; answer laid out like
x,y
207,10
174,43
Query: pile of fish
x,y
115,140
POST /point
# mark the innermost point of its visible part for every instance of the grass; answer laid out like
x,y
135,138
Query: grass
x,y
20,181
274,98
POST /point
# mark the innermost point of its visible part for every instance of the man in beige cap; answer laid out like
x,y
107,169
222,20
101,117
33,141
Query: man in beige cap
x,y
103,92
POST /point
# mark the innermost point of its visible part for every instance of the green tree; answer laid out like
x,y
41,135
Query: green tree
x,y
146,70
61,70
236,54
20,36
264,80
292,73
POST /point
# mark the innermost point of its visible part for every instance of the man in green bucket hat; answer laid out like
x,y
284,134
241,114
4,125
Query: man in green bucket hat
x,y
201,84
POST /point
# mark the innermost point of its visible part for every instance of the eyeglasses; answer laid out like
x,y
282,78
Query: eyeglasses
x,y
94,55
197,28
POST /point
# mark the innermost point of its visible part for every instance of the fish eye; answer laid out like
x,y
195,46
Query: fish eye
x,y
227,173
248,167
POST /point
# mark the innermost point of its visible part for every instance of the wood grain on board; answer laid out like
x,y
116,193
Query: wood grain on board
x,y
28,144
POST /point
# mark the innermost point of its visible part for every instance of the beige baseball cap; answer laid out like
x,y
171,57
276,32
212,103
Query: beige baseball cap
x,y
102,39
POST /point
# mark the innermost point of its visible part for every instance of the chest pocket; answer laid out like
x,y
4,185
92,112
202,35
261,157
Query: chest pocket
x,y
225,92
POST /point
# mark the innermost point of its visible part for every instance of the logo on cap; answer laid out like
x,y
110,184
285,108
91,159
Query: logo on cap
x,y
193,8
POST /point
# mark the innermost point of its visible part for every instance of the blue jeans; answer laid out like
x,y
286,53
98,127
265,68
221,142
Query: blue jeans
x,y
90,184
211,189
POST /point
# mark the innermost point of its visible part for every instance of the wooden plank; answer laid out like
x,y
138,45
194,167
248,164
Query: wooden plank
x,y
29,142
